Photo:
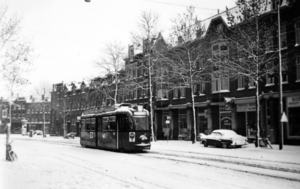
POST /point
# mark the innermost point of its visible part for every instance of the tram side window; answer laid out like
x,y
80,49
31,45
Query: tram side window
x,y
87,124
112,123
105,124
93,123
82,124
99,124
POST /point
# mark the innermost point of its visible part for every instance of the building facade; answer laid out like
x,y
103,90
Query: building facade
x,y
224,103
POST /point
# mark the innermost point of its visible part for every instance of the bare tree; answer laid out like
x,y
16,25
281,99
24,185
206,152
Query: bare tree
x,y
147,28
14,56
186,27
144,39
252,48
184,66
112,63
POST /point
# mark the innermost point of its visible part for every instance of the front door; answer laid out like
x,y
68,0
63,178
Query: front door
x,y
109,132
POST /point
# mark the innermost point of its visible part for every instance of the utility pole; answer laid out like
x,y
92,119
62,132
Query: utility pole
x,y
280,78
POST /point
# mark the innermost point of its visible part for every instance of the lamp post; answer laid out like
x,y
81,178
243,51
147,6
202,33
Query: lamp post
x,y
280,77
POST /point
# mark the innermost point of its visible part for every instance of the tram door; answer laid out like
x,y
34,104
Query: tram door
x,y
109,132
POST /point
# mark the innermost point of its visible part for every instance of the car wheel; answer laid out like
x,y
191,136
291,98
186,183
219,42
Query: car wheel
x,y
205,144
224,145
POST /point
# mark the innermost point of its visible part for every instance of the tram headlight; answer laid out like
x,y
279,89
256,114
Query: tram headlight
x,y
143,138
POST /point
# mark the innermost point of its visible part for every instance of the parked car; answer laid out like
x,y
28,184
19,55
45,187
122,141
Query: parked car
x,y
70,135
224,138
38,132
200,138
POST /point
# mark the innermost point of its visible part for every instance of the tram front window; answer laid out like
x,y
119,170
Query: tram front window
x,y
141,123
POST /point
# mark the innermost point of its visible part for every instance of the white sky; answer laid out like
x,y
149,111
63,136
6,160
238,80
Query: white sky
x,y
67,35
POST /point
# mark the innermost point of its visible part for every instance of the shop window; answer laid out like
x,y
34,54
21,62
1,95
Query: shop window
x,y
294,117
182,124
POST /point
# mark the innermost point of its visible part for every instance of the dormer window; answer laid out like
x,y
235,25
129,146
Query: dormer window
x,y
220,28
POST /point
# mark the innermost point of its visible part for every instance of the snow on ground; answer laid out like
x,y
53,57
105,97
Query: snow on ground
x,y
51,165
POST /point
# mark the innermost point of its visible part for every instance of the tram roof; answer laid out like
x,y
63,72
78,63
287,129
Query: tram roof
x,y
118,108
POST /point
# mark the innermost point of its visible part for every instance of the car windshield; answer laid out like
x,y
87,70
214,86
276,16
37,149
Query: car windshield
x,y
141,122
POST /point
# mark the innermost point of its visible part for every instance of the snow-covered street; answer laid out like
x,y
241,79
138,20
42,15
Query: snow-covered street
x,y
45,164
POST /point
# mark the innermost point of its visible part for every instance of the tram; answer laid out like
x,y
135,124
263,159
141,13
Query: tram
x,y
123,127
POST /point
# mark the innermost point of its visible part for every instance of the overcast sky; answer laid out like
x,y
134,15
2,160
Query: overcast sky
x,y
67,35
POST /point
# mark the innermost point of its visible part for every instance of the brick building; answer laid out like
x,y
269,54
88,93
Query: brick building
x,y
212,111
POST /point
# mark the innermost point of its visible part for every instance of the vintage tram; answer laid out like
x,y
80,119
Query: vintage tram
x,y
123,127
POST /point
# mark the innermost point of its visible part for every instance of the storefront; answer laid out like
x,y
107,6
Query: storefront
x,y
246,117
293,114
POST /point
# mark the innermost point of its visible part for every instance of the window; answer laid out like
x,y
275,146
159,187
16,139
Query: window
x,y
182,124
87,124
141,122
220,28
251,84
270,77
220,83
284,70
195,89
93,124
297,32
202,88
105,124
182,92
162,92
112,125
241,82
135,93
175,93
283,39
270,41
298,67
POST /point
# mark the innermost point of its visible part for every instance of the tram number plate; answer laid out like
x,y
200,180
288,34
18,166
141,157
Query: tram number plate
x,y
91,135
132,137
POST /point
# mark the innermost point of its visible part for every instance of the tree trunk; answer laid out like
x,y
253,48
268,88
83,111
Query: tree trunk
x,y
257,114
150,101
194,117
